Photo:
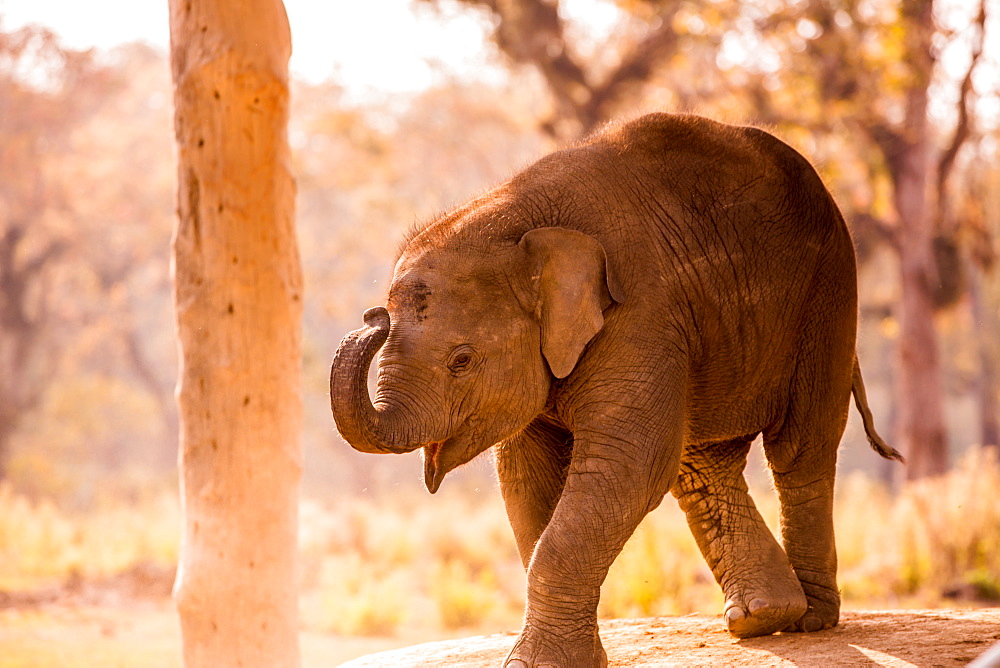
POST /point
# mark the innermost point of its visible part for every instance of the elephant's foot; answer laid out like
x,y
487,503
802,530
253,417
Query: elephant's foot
x,y
534,649
771,603
763,593
823,611
763,616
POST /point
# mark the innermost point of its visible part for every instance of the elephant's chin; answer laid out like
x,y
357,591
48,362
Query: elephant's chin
x,y
440,457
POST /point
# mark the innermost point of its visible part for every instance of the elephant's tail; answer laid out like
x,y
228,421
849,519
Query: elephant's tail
x,y
861,401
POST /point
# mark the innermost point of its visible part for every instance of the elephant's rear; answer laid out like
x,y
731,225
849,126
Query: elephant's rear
x,y
755,264
827,333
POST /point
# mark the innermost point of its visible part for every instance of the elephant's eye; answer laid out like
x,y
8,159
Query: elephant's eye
x,y
462,359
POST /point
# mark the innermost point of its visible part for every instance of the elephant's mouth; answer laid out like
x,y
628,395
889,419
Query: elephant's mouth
x,y
465,444
440,457
433,471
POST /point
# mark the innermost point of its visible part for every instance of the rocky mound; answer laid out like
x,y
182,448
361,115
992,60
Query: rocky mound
x,y
884,638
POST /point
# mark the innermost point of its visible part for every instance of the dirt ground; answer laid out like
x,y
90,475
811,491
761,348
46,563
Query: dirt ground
x,y
133,634
885,638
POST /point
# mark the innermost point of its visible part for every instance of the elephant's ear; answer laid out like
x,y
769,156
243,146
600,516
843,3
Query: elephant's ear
x,y
571,287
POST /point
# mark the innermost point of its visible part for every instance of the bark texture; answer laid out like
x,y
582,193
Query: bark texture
x,y
238,288
920,396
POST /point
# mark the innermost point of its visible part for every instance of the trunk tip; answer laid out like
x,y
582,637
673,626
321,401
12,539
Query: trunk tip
x,y
377,317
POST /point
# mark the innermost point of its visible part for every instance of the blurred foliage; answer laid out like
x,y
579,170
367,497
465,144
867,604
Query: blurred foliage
x,y
86,197
42,545
660,572
359,598
940,537
464,597
371,566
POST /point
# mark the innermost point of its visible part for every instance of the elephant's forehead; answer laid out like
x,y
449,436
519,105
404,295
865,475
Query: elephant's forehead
x,y
420,289
435,309
437,261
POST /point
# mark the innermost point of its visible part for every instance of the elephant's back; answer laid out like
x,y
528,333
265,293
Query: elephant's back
x,y
708,167
722,208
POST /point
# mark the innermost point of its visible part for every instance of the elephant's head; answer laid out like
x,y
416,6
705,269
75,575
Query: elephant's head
x,y
472,336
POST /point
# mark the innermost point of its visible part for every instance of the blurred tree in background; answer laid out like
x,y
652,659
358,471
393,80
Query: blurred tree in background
x,y
78,244
862,88
35,118
873,72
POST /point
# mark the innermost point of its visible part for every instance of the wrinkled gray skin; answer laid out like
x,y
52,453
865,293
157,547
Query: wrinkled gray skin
x,y
620,320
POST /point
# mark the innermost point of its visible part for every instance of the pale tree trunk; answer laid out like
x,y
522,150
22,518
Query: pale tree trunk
x,y
985,321
238,290
908,150
919,399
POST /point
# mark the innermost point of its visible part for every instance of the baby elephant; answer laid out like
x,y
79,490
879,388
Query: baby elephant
x,y
619,320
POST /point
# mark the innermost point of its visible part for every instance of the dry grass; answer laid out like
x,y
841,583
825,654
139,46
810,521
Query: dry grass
x,y
937,536
372,568
41,544
435,567
660,571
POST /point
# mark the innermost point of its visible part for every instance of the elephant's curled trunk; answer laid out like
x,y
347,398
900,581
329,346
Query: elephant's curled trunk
x,y
366,428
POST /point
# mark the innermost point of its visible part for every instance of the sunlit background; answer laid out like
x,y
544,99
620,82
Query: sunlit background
x,y
401,109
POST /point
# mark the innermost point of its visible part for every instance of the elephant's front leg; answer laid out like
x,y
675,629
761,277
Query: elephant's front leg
x,y
532,470
611,484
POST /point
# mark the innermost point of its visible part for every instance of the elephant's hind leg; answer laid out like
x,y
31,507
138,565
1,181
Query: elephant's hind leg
x,y
762,593
801,449
803,468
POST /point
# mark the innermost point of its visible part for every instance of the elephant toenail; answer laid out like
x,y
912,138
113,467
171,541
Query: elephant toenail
x,y
734,614
812,623
516,663
757,605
